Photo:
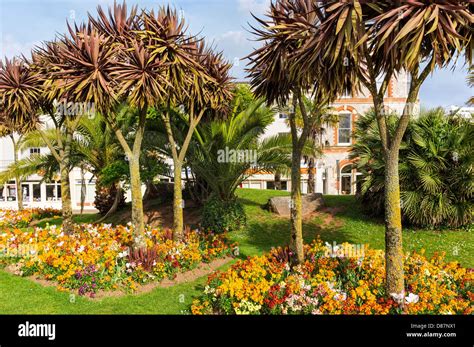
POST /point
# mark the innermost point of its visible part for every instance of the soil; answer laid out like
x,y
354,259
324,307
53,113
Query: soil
x,y
328,214
161,215
203,269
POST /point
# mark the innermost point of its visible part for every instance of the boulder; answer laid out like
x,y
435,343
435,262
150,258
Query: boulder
x,y
281,204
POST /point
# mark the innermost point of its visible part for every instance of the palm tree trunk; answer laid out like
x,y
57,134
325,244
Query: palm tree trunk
x,y
19,194
64,168
296,213
68,224
19,190
178,223
393,226
296,241
137,201
311,187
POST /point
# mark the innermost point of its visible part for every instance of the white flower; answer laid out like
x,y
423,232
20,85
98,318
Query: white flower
x,y
412,299
340,296
81,249
60,244
123,254
398,297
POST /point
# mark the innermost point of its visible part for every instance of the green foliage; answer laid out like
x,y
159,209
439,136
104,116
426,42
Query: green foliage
x,y
223,216
436,176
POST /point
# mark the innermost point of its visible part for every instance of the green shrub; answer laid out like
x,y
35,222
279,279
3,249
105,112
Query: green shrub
x,y
223,216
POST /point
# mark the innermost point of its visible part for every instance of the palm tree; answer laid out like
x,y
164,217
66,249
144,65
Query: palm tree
x,y
226,152
214,154
272,77
16,133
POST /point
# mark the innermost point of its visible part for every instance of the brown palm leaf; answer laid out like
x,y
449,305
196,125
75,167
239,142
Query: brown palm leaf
x,y
414,31
84,69
119,23
19,90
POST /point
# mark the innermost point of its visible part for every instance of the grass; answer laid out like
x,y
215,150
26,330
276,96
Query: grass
x,y
264,230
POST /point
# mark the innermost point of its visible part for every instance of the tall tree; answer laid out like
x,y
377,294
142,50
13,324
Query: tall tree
x,y
198,83
16,132
283,34
19,96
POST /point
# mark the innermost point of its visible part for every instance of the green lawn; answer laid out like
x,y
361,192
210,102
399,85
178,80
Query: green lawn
x,y
264,230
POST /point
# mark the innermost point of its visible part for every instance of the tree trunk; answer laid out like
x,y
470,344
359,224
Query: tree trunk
x,y
296,242
68,224
19,193
296,220
311,187
178,224
137,201
393,226
19,190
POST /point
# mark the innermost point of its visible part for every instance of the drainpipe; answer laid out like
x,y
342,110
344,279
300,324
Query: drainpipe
x,y
338,179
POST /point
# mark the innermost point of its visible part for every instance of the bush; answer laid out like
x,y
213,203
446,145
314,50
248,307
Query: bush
x,y
435,169
223,216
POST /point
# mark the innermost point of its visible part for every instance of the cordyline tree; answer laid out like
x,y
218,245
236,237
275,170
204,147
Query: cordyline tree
x,y
16,132
283,33
156,63
56,64
212,92
198,84
376,41
19,96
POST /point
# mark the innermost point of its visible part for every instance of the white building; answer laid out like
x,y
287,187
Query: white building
x,y
334,171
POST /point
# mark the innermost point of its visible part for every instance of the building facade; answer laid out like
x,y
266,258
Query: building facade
x,y
334,172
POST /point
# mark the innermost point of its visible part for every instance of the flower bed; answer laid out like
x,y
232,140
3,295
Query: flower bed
x,y
335,284
21,219
100,257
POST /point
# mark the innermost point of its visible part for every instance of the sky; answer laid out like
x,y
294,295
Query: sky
x,y
225,23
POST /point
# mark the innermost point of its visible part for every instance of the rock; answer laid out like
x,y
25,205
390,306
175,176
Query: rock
x,y
281,204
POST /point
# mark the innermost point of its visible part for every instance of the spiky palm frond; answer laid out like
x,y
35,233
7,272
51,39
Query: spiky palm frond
x,y
45,165
240,132
84,68
20,91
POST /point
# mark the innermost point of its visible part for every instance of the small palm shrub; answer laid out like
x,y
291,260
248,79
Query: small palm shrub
x,y
436,169
223,216
105,197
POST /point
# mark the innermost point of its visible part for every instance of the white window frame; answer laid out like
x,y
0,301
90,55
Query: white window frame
x,y
345,113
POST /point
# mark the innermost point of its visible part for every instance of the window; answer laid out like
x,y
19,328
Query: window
x,y
346,180
53,191
271,185
344,130
11,191
283,116
35,151
26,191
36,192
